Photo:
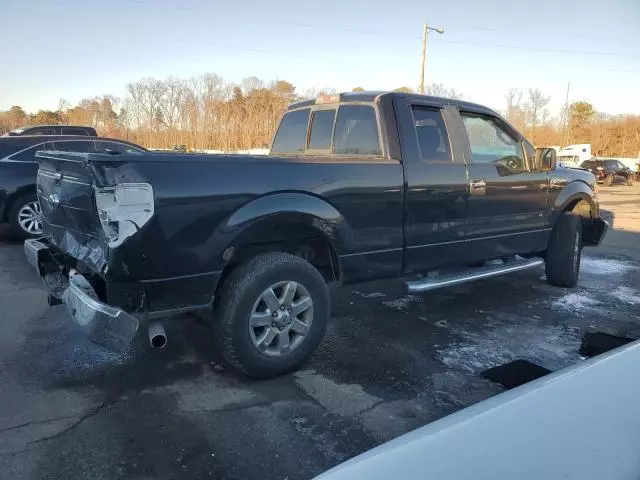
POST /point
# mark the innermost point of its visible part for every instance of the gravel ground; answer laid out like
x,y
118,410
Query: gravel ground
x,y
390,363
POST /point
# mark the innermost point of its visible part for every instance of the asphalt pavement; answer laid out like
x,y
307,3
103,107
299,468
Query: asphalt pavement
x,y
390,363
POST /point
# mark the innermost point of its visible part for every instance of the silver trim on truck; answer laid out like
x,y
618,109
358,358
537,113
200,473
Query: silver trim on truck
x,y
105,325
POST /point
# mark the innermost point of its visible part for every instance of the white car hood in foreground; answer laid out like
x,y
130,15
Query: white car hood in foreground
x,y
580,423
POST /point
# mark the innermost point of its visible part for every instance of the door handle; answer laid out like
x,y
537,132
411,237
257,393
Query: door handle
x,y
478,186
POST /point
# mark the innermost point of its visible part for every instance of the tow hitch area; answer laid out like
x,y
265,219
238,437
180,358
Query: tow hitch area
x,y
103,324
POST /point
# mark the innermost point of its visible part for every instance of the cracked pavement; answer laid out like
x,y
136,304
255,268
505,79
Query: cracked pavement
x,y
390,363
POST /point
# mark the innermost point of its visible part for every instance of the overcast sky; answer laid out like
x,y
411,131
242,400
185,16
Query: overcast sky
x,y
78,48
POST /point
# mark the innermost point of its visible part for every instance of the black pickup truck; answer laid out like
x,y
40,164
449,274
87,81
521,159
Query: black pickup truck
x,y
357,186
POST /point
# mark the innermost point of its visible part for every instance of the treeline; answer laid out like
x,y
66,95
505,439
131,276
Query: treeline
x,y
206,112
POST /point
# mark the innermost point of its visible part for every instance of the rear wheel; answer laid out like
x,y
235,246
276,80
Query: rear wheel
x,y
271,314
562,259
26,217
608,180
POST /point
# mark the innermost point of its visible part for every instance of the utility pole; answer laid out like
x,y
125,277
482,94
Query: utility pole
x,y
566,115
423,59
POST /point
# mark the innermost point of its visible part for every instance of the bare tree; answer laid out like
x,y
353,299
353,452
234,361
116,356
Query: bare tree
x,y
535,109
440,90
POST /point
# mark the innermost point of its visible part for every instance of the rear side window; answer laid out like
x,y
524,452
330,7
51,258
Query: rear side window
x,y
588,164
356,131
321,129
292,133
611,164
432,134
29,155
41,131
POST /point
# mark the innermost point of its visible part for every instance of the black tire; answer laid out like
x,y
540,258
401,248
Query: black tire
x,y
608,180
630,180
15,209
242,289
562,260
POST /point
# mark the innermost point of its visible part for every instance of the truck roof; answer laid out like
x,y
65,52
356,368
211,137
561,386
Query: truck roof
x,y
374,96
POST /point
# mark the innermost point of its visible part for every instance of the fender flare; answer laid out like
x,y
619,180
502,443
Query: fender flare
x,y
576,191
285,208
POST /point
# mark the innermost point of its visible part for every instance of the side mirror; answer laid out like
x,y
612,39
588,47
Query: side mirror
x,y
546,158
503,167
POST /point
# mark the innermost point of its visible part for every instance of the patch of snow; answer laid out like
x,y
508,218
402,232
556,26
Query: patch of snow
x,y
368,295
402,303
576,302
603,266
627,295
550,346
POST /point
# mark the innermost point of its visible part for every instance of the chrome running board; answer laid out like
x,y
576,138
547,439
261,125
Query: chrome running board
x,y
472,274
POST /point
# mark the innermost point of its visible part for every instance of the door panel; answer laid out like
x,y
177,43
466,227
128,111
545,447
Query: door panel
x,y
507,211
436,177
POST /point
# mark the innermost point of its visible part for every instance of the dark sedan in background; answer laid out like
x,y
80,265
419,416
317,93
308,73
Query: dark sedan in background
x,y
608,171
18,169
53,130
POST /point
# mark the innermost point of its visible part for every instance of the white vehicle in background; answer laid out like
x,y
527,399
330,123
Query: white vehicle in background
x,y
572,156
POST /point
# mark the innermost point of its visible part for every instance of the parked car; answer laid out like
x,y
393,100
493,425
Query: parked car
x,y
18,171
356,187
608,171
53,130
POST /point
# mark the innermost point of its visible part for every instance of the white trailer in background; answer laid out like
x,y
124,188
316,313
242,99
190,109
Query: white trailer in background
x,y
572,156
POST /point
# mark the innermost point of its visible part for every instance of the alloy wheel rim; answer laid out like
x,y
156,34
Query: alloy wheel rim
x,y
30,218
281,318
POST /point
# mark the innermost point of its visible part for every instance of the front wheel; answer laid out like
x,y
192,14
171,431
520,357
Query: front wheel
x,y
272,314
26,217
562,258
630,180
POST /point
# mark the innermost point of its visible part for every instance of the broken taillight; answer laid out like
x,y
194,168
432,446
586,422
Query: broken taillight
x,y
124,209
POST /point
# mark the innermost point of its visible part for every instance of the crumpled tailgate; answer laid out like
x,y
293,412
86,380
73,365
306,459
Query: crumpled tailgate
x,y
67,198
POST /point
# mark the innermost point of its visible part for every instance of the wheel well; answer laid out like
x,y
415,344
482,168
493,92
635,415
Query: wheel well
x,y
11,201
582,208
298,239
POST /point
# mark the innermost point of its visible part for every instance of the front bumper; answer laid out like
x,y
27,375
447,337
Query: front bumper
x,y
104,325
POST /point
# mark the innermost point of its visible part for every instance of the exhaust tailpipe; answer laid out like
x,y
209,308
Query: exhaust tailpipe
x,y
157,335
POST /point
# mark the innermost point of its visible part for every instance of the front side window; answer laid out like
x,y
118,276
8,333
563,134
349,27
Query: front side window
x,y
356,131
432,134
491,144
292,133
114,147
321,129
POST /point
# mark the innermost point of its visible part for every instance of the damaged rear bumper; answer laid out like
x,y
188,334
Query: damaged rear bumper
x,y
105,325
